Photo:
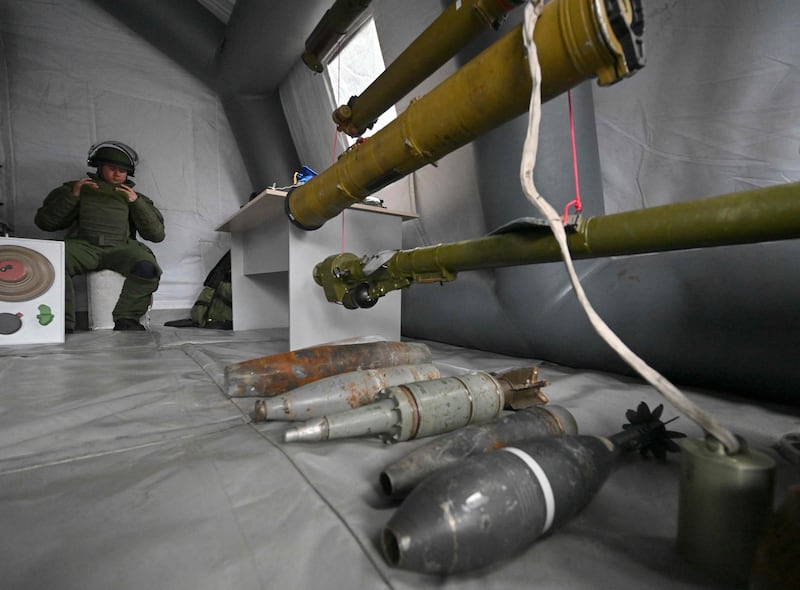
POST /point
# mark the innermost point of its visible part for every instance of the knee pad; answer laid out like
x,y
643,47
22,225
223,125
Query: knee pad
x,y
144,269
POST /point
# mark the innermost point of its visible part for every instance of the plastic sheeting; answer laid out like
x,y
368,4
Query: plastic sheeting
x,y
124,465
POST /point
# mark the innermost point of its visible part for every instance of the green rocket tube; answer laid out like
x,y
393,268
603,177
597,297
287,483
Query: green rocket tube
x,y
758,215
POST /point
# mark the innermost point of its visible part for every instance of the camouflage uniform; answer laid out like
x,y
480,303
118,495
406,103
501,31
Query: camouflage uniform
x,y
107,224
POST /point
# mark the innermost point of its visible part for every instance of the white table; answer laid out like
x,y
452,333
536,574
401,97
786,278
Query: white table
x,y
272,262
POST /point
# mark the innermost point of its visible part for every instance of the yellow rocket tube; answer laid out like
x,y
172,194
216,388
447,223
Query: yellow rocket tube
x,y
488,91
445,36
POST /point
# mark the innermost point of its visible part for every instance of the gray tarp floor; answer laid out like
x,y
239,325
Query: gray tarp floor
x,y
123,464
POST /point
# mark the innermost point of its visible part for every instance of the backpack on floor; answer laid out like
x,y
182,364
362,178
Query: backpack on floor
x,y
213,308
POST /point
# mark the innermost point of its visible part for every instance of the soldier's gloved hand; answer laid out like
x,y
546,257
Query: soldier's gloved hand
x,y
132,196
76,188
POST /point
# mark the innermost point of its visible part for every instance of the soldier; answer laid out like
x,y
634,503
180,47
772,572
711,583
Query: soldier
x,y
106,214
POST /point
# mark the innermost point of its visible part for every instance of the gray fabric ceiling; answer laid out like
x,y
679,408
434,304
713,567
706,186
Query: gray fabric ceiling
x,y
243,60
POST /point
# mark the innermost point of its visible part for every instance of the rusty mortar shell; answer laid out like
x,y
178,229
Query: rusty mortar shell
x,y
339,393
282,372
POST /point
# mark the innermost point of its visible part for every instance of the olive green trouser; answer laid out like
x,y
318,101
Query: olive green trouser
x,y
81,257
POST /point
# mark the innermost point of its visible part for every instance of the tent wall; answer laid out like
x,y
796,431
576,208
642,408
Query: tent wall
x,y
714,111
74,75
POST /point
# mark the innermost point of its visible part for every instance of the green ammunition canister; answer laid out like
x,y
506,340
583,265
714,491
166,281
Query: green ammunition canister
x,y
725,503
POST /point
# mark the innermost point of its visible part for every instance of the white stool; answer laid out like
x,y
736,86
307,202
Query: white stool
x,y
102,292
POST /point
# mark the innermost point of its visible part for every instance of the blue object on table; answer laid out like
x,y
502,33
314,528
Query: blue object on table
x,y
304,175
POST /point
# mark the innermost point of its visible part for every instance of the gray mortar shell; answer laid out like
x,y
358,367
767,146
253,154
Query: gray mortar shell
x,y
399,478
443,405
343,392
372,419
491,506
413,410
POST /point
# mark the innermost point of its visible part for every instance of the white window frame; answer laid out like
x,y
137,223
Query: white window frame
x,y
333,69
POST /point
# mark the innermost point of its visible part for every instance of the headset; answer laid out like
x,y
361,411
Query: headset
x,y
126,150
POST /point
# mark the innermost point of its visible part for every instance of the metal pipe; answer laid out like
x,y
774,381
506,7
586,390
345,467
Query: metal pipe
x,y
332,26
577,39
758,215
451,31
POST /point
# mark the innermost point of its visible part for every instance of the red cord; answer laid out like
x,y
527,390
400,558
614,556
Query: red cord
x,y
577,200
336,129
333,151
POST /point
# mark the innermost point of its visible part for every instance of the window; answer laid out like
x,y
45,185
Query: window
x,y
355,67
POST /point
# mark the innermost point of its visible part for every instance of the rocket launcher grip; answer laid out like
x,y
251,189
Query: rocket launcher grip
x,y
278,373
399,478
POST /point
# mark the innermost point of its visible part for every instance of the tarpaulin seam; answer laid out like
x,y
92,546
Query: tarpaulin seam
x,y
195,354
322,497
67,460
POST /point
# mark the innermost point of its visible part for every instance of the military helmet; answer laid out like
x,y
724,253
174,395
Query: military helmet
x,y
115,153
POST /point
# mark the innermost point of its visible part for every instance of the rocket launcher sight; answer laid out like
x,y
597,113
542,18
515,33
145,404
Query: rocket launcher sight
x,y
491,506
416,410
279,373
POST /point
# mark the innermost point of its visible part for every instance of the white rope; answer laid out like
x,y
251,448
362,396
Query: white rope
x,y
532,11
